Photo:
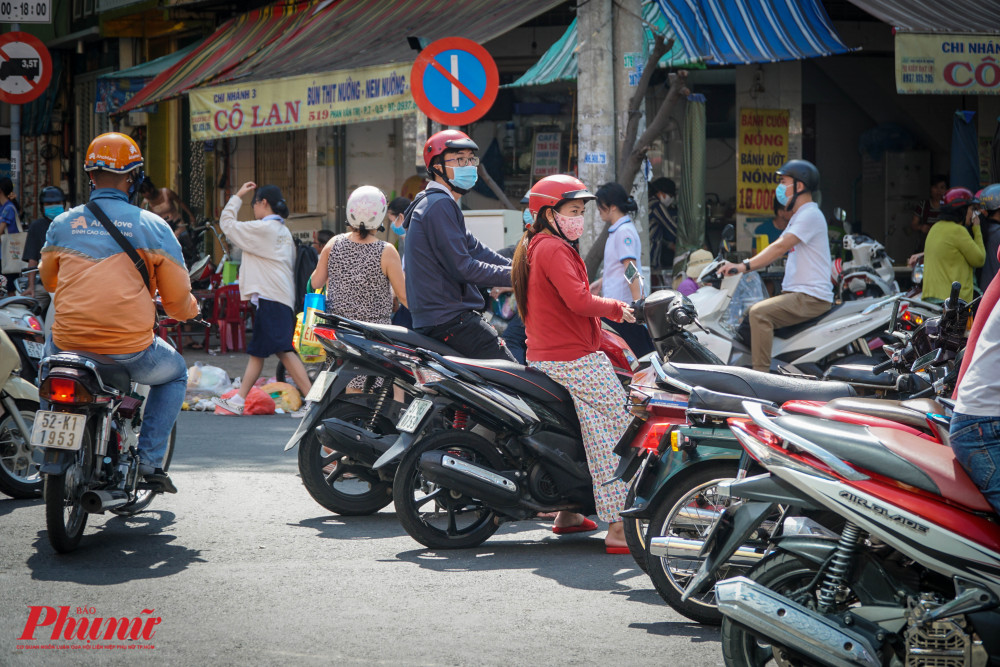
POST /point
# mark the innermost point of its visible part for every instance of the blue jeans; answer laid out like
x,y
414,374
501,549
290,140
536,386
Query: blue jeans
x,y
976,443
163,369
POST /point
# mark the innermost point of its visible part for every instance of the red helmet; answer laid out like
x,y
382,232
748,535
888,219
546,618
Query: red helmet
x,y
553,190
956,198
446,140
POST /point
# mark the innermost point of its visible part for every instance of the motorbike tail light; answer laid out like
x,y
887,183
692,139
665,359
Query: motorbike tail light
x,y
328,339
64,390
756,441
654,436
424,376
33,322
325,334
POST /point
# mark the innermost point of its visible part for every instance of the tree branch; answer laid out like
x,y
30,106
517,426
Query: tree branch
x,y
660,48
485,177
633,160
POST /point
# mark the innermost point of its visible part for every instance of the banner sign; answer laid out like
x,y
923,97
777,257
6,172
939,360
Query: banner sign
x,y
762,148
296,103
112,94
947,64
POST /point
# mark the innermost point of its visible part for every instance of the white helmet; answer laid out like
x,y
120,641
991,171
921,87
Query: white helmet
x,y
366,208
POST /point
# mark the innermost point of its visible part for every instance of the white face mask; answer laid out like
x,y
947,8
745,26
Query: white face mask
x,y
667,200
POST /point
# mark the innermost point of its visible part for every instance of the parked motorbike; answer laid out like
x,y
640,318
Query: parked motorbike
x,y
21,319
88,429
19,474
338,472
867,274
682,508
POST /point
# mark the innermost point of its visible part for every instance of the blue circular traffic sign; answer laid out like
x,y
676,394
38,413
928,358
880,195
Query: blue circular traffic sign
x,y
454,81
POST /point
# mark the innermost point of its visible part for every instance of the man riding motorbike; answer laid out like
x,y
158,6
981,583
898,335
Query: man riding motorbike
x,y
445,263
103,298
806,291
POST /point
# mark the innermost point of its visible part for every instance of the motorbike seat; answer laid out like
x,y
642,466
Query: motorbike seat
x,y
858,444
522,379
860,374
706,400
756,384
26,301
110,371
909,413
894,454
410,338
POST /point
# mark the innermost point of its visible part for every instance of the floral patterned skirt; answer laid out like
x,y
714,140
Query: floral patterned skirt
x,y
600,405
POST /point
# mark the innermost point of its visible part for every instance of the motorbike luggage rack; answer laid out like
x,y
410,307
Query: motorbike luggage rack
x,y
463,373
757,412
367,332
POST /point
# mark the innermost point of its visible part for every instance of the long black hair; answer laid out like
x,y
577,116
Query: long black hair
x,y
613,194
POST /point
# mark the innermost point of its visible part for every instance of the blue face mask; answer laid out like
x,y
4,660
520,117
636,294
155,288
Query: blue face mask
x,y
397,228
52,211
528,220
781,192
465,177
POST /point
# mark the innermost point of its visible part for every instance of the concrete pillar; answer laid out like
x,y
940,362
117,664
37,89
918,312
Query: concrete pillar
x,y
595,105
630,56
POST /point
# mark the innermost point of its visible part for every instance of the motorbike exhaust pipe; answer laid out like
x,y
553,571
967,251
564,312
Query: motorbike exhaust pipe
x,y
469,479
678,547
694,516
787,623
96,502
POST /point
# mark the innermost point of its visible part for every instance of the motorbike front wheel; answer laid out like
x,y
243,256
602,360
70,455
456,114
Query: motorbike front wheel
x,y
65,517
347,488
19,476
688,511
435,516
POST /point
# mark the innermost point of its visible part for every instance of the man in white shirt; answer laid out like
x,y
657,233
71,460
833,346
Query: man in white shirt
x,y
807,290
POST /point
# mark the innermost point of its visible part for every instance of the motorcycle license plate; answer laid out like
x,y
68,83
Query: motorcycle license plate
x,y
58,430
34,350
320,385
414,414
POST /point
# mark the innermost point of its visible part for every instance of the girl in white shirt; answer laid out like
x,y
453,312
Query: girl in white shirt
x,y
266,281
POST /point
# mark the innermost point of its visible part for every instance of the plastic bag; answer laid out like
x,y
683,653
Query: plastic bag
x,y
748,291
205,381
285,396
304,340
257,403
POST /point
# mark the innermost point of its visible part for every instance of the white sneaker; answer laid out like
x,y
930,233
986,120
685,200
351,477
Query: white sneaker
x,y
230,404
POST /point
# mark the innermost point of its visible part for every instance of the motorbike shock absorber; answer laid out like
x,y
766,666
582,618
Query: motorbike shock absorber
x,y
840,567
461,419
379,402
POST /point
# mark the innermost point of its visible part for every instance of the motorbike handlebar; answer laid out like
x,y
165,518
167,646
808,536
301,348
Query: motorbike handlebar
x,y
878,369
956,288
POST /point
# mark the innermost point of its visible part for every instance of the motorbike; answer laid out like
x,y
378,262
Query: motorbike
x,y
19,469
847,333
88,428
21,319
338,473
868,273
681,508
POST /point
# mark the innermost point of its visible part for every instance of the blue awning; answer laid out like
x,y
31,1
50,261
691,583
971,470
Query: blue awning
x,y
739,32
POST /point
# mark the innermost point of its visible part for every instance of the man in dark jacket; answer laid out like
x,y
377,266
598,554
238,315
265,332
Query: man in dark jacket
x,y
53,203
444,262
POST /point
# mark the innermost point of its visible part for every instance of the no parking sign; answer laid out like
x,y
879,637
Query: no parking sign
x,y
454,81
25,67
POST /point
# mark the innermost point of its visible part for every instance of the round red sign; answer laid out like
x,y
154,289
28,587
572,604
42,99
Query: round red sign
x,y
454,81
25,67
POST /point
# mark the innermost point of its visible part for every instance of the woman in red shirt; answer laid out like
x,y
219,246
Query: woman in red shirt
x,y
562,321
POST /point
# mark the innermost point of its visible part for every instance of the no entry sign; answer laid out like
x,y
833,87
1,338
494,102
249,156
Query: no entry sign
x,y
454,81
25,67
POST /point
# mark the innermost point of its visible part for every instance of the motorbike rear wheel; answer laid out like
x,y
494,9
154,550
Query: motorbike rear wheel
x,y
635,532
19,476
334,490
65,517
433,515
697,490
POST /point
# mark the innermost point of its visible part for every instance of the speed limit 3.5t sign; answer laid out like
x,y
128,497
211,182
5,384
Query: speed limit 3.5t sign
x,y
25,67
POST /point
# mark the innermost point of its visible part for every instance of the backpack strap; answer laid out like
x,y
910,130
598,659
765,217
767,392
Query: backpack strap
x,y
137,261
423,194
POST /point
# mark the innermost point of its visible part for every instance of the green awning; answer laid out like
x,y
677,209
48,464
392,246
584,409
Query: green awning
x,y
148,70
559,62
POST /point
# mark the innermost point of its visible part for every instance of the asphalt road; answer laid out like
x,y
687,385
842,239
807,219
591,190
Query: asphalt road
x,y
243,567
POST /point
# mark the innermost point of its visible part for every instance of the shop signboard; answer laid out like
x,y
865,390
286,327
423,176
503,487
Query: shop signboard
x,y
763,148
947,64
300,102
545,157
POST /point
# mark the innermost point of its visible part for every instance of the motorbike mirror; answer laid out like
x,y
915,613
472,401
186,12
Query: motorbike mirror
x,y
840,214
728,236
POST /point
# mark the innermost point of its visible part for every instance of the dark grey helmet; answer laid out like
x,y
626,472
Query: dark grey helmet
x,y
801,170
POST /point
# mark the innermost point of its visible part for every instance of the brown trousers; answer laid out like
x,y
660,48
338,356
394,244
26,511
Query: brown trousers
x,y
779,311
